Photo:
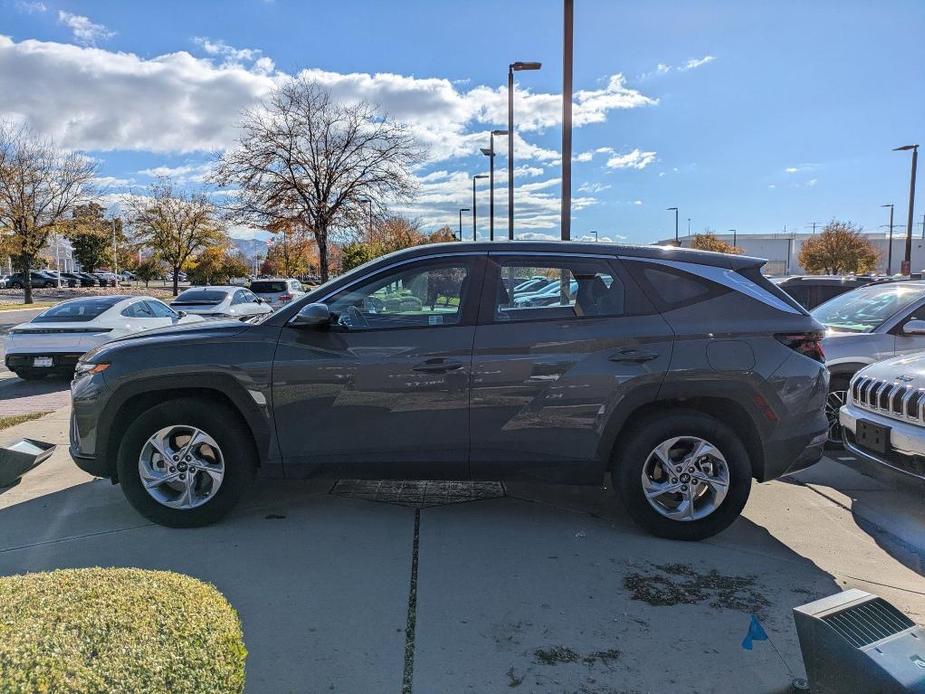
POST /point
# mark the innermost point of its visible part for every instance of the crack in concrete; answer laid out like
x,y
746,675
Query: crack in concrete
x,y
408,673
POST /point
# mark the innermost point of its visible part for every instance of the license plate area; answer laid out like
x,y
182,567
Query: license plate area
x,y
872,436
42,362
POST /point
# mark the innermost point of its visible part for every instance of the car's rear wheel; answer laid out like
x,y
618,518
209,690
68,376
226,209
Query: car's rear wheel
x,y
683,475
838,396
185,462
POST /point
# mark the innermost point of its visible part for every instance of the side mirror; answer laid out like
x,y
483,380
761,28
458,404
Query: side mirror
x,y
914,327
181,314
311,316
258,300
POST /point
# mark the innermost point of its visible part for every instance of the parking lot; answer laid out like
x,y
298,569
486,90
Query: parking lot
x,y
355,587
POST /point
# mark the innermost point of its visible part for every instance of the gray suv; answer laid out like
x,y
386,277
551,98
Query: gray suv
x,y
677,375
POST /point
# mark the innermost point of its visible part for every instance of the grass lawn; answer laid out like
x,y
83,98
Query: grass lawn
x,y
14,419
22,307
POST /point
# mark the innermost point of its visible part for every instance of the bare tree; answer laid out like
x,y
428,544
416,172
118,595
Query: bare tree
x,y
306,157
39,186
174,224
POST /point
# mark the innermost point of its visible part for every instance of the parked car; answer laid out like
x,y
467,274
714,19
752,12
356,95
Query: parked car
x,y
277,292
864,326
107,279
79,279
812,290
92,279
127,276
221,302
39,280
883,419
550,294
53,340
684,379
4,281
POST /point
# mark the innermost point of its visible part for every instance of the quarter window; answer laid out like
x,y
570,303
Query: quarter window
x,y
422,295
532,289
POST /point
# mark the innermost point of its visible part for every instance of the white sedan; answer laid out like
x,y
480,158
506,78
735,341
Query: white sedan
x,y
221,302
53,341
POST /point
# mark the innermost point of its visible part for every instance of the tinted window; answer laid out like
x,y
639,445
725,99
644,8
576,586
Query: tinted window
x,y
427,294
675,287
139,309
199,296
568,288
160,310
81,310
268,287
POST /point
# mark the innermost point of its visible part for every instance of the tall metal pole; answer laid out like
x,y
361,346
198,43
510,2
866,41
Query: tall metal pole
x,y
491,199
688,226
677,237
474,233
510,153
889,250
908,259
461,210
567,51
734,232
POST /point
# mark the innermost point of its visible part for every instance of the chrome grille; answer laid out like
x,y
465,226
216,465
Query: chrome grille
x,y
889,398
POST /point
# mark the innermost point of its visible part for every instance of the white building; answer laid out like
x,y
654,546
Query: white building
x,y
782,250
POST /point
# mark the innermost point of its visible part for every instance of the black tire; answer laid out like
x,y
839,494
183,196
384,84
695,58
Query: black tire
x,y
32,374
641,441
16,285
838,391
222,424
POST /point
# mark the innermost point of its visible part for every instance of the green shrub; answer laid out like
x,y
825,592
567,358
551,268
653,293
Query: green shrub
x,y
117,630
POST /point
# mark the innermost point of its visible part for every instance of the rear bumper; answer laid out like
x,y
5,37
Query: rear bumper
x,y
905,460
801,447
59,360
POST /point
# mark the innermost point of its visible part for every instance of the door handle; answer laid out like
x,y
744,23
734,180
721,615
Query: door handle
x,y
437,366
634,355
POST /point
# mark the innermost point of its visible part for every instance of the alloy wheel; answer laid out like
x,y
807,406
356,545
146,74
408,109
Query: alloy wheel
x,y
833,403
181,466
685,478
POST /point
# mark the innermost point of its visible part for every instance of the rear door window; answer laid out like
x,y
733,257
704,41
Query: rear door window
x,y
672,288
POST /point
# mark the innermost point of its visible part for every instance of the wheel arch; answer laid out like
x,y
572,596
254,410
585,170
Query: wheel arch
x,y
723,409
131,401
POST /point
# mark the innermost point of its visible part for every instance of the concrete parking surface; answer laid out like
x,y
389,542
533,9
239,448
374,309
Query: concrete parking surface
x,y
541,589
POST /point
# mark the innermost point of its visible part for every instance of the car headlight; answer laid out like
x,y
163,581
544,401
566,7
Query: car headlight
x,y
85,367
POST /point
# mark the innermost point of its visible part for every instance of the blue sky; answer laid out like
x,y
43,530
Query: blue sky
x,y
748,115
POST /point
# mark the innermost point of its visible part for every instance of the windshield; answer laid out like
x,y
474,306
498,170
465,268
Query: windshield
x,y
862,310
77,311
268,287
199,296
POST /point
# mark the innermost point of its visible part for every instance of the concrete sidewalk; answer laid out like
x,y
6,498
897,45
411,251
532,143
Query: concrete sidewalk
x,y
546,589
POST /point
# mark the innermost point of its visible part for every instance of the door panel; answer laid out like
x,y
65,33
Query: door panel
x,y
385,392
543,391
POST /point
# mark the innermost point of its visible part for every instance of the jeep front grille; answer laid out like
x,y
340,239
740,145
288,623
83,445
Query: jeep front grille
x,y
889,398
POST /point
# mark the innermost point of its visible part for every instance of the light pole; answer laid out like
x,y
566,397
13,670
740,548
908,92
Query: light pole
x,y
907,260
889,251
461,210
688,226
677,239
490,153
595,235
518,66
474,179
565,223
734,232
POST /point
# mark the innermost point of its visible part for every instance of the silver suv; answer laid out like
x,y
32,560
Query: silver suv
x,y
277,292
864,326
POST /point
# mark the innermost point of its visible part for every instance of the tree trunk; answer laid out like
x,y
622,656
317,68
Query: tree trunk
x,y
27,281
322,241
176,281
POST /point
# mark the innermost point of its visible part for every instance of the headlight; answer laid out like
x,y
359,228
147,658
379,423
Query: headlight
x,y
85,367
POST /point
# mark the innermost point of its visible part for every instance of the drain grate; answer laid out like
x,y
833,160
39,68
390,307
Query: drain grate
x,y
418,493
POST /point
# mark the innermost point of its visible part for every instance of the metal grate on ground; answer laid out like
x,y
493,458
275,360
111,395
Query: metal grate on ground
x,y
418,493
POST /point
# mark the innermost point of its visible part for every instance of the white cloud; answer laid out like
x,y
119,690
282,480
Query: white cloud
x,y
689,64
811,182
694,63
177,102
636,159
587,156
637,202
186,173
791,169
112,182
31,7
84,31
588,187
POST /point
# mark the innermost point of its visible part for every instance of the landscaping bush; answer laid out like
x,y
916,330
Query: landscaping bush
x,y
117,630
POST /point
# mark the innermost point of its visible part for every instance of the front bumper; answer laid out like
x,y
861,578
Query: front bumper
x,y
906,458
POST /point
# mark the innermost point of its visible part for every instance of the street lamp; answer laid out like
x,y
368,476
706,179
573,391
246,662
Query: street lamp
x,y
889,252
733,232
490,153
595,235
474,179
565,207
677,239
519,66
461,210
907,261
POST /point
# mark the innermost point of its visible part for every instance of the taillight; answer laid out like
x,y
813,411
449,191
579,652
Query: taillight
x,y
808,344
286,297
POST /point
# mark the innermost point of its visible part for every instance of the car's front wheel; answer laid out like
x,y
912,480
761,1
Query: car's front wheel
x,y
683,475
838,396
186,462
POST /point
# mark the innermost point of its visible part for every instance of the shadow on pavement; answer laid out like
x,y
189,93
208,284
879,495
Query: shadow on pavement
x,y
551,588
888,510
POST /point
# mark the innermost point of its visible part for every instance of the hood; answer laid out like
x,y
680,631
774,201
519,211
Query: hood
x,y
205,330
908,370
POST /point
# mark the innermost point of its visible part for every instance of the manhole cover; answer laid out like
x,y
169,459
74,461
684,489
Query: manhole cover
x,y
418,493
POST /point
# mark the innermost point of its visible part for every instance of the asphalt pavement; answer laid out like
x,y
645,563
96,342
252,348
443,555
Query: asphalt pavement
x,y
22,397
